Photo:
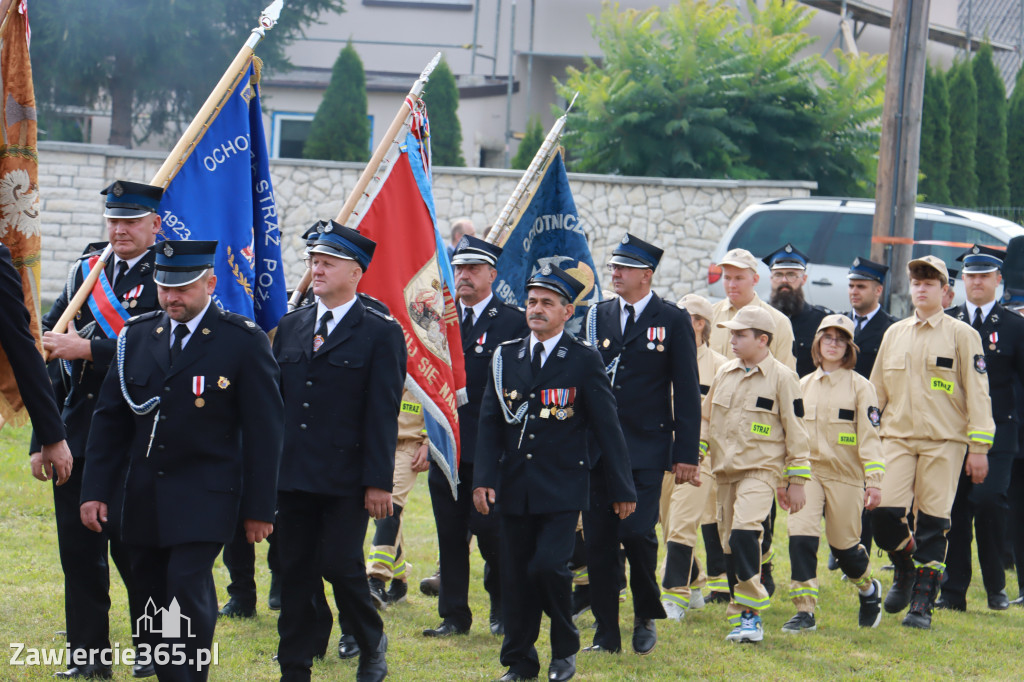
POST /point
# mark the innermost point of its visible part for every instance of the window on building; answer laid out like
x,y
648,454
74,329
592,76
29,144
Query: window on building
x,y
464,5
289,132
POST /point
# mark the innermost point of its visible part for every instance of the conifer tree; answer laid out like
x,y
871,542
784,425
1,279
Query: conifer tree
x,y
341,129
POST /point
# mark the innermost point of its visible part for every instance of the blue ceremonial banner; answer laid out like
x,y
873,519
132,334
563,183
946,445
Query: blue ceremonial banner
x,y
548,232
223,192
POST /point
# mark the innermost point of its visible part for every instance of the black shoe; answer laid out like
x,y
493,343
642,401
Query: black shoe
x,y
902,582
378,594
833,562
998,601
715,597
562,669
348,647
599,649
139,671
926,586
801,622
397,591
767,581
580,600
497,627
373,667
431,586
235,609
274,596
86,672
511,676
445,629
948,603
1019,601
870,613
645,636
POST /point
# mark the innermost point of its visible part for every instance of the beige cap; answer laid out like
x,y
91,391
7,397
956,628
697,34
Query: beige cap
x,y
933,262
740,258
751,317
696,305
840,322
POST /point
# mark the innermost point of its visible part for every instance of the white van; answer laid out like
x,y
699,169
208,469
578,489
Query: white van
x,y
834,231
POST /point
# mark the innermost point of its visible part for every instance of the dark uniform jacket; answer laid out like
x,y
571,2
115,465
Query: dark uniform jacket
x,y
1002,337
78,392
657,391
499,322
20,348
542,465
341,404
805,325
213,458
869,340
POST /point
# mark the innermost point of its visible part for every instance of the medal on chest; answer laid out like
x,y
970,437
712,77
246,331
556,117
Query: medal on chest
x,y
655,338
198,388
993,339
131,297
558,403
480,343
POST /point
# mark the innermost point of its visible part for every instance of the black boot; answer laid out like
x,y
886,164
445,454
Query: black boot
x,y
902,581
926,585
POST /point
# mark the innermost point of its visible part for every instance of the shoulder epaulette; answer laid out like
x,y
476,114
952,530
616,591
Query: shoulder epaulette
x,y
382,315
581,341
301,307
240,321
371,302
513,307
145,316
510,342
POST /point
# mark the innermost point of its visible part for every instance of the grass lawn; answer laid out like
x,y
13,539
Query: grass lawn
x,y
979,644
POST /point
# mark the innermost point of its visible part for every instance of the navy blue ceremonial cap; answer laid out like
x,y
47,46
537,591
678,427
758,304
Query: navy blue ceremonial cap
x,y
181,262
1013,298
786,258
633,252
862,268
131,199
471,251
554,278
953,272
980,259
343,242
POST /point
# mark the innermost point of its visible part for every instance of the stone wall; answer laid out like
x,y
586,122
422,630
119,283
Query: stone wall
x,y
685,217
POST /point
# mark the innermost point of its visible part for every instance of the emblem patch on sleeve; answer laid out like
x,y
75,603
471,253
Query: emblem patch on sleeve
x,y
979,364
874,416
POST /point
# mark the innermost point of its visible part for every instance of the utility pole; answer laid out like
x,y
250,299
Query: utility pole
x,y
898,159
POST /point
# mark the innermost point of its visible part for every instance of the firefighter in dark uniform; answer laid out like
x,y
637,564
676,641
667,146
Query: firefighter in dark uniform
x,y
485,322
650,355
866,286
985,505
1013,300
547,398
189,423
79,358
342,372
789,274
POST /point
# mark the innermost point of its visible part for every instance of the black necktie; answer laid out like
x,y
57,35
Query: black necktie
x,y
630,320
180,332
861,319
538,348
467,322
977,319
122,269
321,332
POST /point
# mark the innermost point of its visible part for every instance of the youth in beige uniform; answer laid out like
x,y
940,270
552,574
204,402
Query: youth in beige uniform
x,y
841,417
932,387
752,428
683,506
387,553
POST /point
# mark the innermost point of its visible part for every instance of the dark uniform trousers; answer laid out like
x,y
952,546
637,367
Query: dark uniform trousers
x,y
337,443
985,506
1016,520
457,520
540,467
240,560
657,392
189,469
83,553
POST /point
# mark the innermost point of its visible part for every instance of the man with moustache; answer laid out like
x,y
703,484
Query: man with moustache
x,y
547,400
650,354
81,357
486,322
189,425
789,274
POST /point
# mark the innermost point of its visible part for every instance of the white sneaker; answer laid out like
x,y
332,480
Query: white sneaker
x,y
696,600
748,630
673,610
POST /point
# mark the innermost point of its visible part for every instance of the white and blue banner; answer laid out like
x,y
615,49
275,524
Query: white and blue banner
x,y
223,192
548,232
